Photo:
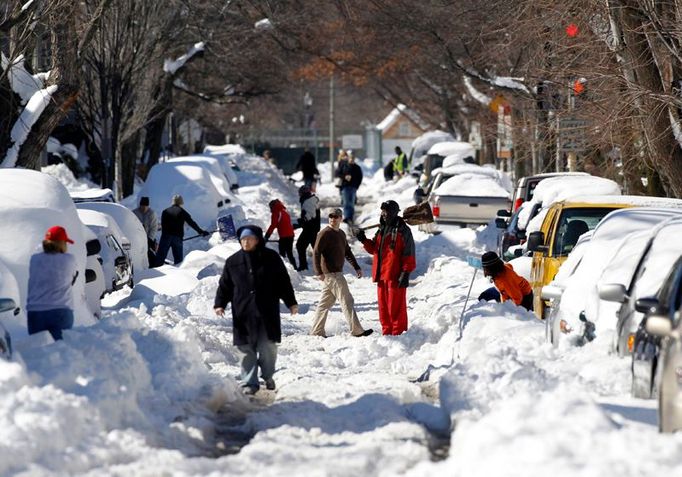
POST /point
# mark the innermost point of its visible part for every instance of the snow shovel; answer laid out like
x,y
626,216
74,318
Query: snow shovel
x,y
413,215
476,263
198,235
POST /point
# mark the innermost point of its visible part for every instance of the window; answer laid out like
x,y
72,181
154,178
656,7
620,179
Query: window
x,y
572,224
405,129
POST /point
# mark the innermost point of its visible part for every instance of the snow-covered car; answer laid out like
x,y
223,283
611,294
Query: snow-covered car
x,y
552,292
134,237
94,273
30,203
421,146
525,188
229,156
215,170
436,155
194,182
9,310
93,195
659,250
115,261
581,296
663,323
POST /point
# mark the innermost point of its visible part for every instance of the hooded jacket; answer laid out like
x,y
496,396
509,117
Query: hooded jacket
x,y
280,220
393,251
254,282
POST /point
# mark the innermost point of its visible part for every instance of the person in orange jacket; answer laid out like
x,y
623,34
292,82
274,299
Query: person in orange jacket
x,y
393,260
509,285
281,220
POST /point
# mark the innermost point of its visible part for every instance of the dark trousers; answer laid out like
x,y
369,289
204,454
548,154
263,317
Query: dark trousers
x,y
491,294
172,242
53,321
286,248
151,252
307,237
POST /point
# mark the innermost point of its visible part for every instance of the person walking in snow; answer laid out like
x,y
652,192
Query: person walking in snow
x,y
306,164
281,220
509,285
393,260
147,217
52,274
310,224
351,178
330,253
173,230
254,280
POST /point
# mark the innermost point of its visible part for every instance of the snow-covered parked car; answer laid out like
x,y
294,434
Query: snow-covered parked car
x,y
468,194
421,146
581,296
93,195
94,273
30,203
229,156
647,270
194,182
435,158
9,310
115,260
134,237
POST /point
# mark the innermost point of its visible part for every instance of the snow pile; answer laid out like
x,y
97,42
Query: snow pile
x,y
472,185
64,175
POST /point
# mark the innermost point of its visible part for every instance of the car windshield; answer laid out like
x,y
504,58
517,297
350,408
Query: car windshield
x,y
572,224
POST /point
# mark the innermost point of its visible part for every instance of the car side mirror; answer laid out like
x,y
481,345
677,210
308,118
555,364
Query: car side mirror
x,y
615,292
90,275
536,242
647,305
7,304
658,325
500,223
503,213
234,187
551,292
93,247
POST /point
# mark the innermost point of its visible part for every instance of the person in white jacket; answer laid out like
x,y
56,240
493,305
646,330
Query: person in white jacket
x,y
52,274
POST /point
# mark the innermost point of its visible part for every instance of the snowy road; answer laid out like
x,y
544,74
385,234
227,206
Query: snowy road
x,y
150,390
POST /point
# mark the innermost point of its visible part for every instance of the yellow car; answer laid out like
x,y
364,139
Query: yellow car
x,y
563,224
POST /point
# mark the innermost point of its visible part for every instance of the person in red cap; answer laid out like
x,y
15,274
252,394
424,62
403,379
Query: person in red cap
x,y
393,260
281,220
52,274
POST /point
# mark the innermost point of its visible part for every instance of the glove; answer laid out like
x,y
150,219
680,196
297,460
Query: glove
x,y
267,237
404,280
360,235
205,233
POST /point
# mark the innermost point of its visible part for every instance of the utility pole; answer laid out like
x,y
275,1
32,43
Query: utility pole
x,y
331,125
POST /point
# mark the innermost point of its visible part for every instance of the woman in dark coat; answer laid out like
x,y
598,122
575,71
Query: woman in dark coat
x,y
254,280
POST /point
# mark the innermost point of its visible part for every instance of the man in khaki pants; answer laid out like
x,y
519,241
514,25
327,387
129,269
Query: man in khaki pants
x,y
330,252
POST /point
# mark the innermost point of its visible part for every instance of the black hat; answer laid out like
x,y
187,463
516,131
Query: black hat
x,y
304,189
490,259
390,206
144,200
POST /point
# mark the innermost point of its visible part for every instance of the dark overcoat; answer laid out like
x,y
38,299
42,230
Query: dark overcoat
x,y
255,282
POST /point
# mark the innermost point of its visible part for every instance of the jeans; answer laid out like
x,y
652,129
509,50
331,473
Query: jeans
x,y
53,321
264,354
172,242
348,200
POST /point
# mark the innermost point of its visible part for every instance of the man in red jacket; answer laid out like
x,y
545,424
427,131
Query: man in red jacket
x,y
281,220
393,251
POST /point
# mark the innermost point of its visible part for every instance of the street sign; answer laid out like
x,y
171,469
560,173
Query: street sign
x,y
351,141
572,135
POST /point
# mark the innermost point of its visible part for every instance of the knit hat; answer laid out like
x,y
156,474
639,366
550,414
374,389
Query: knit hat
x,y
489,259
144,201
304,189
390,206
57,233
247,233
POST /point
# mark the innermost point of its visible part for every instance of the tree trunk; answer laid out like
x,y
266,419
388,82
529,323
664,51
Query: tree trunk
x,y
157,123
128,162
64,74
